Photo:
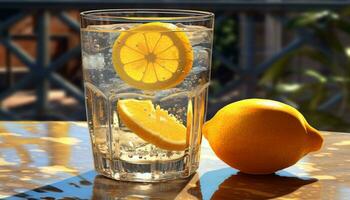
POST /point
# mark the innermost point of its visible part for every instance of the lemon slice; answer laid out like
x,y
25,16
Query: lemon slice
x,y
154,125
152,56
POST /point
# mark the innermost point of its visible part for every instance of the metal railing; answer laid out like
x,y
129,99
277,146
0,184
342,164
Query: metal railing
x,y
42,70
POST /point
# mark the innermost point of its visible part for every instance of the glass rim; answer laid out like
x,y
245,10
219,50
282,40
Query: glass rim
x,y
188,15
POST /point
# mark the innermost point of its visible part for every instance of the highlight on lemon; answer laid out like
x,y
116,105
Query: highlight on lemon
x,y
260,136
153,124
152,56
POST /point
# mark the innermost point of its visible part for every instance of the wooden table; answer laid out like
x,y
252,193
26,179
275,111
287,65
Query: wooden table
x,y
53,160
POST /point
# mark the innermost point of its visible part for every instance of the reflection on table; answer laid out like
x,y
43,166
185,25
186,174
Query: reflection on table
x,y
53,160
35,154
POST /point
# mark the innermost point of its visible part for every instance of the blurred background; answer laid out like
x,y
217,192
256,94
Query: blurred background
x,y
297,52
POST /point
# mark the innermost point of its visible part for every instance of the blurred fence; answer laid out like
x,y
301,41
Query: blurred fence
x,y
259,27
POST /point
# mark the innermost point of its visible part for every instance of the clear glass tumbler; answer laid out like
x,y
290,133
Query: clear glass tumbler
x,y
146,78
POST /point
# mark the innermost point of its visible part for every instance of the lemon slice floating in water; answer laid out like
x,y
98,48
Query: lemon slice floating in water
x,y
152,124
152,56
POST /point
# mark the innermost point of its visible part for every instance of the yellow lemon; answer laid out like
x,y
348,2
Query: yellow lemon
x,y
152,56
259,136
153,124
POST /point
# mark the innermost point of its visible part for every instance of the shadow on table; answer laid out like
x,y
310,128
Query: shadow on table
x,y
229,184
92,186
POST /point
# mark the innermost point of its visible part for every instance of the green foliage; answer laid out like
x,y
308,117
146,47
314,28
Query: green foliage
x,y
225,41
309,77
326,74
225,35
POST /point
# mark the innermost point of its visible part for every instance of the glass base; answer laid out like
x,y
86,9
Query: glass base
x,y
144,172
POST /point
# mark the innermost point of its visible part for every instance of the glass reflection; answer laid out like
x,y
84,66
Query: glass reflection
x,y
105,188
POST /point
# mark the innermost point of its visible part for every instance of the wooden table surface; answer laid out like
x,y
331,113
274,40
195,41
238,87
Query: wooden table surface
x,y
53,160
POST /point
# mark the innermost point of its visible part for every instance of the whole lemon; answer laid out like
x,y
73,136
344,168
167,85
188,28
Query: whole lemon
x,y
260,136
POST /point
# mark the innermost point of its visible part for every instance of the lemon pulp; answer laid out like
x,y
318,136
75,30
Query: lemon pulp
x,y
152,124
152,56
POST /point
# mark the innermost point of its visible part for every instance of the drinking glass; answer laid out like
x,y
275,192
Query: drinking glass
x,y
146,77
